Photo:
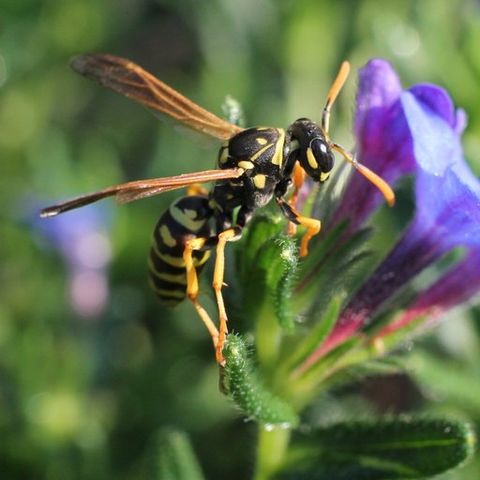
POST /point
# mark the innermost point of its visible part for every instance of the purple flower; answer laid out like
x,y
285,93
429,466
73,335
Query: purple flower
x,y
384,140
424,125
81,238
453,288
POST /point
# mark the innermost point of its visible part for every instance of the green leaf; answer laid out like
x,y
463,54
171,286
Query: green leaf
x,y
319,250
446,379
268,269
330,361
262,228
308,380
248,391
173,457
335,271
384,449
365,369
315,337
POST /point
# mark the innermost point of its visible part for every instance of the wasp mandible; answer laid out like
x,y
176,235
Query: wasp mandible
x,y
254,165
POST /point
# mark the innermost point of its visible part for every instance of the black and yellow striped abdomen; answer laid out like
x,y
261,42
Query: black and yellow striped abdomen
x,y
187,218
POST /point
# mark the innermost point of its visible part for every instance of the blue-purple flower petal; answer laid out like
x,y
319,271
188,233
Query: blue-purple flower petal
x,y
447,196
458,285
447,193
382,108
378,111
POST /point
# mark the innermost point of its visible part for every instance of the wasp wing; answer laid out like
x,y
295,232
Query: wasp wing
x,y
131,80
130,191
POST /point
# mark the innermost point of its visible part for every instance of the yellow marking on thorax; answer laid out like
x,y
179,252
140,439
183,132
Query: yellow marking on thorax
x,y
246,165
262,150
185,219
277,158
312,161
259,180
166,236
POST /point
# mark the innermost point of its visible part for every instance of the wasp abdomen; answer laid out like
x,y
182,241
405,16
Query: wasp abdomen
x,y
187,218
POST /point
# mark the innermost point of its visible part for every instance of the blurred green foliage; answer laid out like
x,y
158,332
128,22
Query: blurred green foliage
x,y
85,392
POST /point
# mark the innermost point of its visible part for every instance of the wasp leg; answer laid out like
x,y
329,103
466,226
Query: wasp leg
x,y
298,179
192,285
196,189
312,224
228,235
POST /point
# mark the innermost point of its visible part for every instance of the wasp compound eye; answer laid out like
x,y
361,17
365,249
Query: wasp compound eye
x,y
323,155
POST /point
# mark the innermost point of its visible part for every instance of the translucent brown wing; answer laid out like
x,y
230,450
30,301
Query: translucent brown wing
x,y
130,191
127,78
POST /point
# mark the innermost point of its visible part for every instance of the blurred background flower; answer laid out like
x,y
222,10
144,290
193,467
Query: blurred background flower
x,y
87,399
83,241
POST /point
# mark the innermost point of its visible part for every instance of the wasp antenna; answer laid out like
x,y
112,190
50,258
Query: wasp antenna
x,y
337,85
372,177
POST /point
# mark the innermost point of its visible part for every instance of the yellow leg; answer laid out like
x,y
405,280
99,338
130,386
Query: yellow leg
x,y
193,289
298,179
312,224
313,228
218,276
196,189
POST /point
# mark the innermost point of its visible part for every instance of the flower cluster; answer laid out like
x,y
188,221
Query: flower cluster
x,y
399,132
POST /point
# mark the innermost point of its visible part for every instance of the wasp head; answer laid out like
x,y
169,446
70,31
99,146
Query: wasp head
x,y
311,148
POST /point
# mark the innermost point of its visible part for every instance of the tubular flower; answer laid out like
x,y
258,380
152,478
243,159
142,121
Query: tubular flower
x,y
383,136
453,288
424,123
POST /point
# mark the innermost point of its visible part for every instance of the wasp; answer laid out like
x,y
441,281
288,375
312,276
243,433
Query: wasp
x,y
254,165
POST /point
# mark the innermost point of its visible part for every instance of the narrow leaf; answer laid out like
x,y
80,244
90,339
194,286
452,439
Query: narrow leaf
x,y
315,337
445,379
174,458
337,271
385,449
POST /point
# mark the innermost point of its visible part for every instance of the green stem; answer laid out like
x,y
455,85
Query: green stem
x,y
271,450
267,339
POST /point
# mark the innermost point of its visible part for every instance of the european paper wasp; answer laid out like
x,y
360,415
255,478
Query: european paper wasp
x,y
254,165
